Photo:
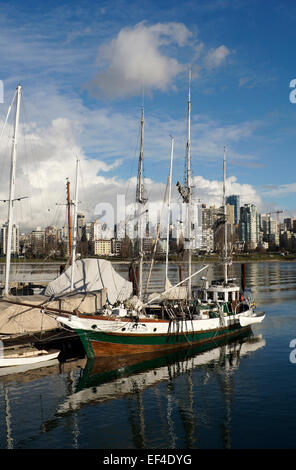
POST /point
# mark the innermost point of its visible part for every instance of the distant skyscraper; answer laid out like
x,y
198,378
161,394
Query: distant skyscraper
x,y
80,225
249,226
234,200
14,239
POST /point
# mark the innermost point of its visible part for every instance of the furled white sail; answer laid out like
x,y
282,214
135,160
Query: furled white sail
x,y
91,275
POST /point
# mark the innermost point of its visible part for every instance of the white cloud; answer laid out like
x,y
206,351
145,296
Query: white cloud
x,y
210,191
135,58
216,57
104,139
281,190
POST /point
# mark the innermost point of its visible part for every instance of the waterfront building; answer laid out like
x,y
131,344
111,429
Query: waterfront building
x,y
101,231
249,226
230,214
50,234
234,200
289,224
116,246
210,216
38,239
270,229
101,247
197,226
80,225
15,239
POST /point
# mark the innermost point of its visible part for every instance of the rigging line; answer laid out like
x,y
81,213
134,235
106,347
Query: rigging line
x,y
25,154
156,239
133,160
5,162
33,152
7,116
83,205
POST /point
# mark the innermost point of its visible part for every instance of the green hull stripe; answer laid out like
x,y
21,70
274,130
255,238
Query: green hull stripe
x,y
151,340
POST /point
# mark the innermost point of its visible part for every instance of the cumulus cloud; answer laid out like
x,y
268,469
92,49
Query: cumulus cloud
x,y
210,191
104,139
42,172
45,158
136,58
216,57
147,56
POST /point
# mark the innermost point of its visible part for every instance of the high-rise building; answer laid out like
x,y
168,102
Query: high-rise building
x,y
210,216
37,238
234,200
101,231
289,223
80,225
197,226
249,228
15,243
230,214
270,229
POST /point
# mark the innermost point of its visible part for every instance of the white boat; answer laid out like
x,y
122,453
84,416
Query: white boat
x,y
27,357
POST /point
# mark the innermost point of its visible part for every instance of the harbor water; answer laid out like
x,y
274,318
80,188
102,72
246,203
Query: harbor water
x,y
238,394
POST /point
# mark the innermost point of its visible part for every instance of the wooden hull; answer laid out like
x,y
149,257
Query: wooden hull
x,y
107,344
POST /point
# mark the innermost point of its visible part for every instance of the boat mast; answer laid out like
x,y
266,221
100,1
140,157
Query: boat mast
x,y
186,190
141,200
11,190
225,217
169,209
75,202
188,182
69,221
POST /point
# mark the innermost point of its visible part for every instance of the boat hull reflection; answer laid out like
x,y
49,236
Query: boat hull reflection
x,y
109,379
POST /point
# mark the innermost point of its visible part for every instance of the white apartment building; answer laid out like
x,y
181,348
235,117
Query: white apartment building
x,y
15,239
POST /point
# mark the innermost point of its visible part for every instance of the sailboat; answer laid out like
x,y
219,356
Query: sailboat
x,y
164,322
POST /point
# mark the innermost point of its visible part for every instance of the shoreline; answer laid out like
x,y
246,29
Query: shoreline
x,y
194,260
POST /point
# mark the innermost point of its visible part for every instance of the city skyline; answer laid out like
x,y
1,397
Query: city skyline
x,y
73,104
251,231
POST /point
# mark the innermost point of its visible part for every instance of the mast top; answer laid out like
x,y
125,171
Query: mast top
x,y
189,83
140,192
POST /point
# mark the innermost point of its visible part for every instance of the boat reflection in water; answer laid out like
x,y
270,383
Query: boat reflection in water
x,y
106,380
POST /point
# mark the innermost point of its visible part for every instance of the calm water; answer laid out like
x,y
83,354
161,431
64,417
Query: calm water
x,y
236,395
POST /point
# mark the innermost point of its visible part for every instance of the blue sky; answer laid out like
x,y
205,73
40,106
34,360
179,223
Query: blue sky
x,y
83,66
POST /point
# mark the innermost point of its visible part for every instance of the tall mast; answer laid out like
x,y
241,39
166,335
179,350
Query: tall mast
x,y
225,217
75,226
169,209
11,190
141,200
140,179
69,221
188,181
186,190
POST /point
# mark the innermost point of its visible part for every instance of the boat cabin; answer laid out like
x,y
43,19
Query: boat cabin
x,y
218,291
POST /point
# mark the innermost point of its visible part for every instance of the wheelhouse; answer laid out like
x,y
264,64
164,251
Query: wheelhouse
x,y
218,291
